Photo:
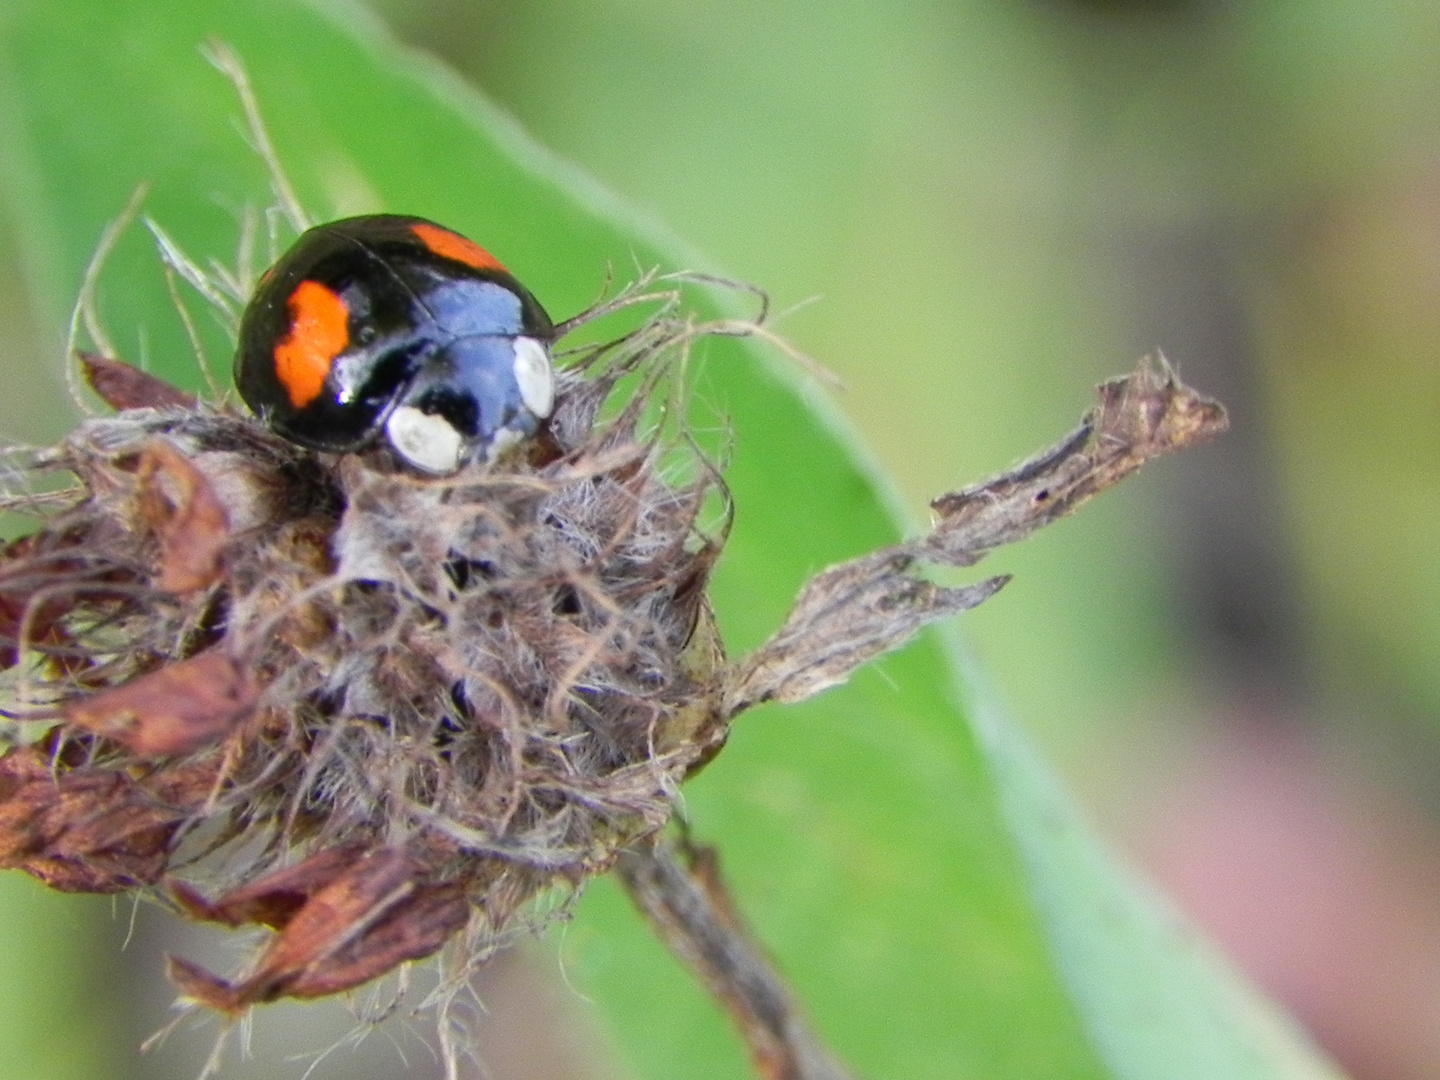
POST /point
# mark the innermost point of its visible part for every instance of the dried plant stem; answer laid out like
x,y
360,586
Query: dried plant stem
x,y
677,885
853,612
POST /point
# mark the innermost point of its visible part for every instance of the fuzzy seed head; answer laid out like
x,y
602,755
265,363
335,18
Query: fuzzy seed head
x,y
301,683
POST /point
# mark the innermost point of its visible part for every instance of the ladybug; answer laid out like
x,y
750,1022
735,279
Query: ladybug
x,y
396,325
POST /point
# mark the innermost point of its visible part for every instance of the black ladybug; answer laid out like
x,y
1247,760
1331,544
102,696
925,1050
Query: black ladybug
x,y
396,324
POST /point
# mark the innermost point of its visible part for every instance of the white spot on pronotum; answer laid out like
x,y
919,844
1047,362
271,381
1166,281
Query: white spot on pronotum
x,y
426,441
534,376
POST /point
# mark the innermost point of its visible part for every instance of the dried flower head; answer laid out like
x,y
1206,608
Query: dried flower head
x,y
376,710
373,708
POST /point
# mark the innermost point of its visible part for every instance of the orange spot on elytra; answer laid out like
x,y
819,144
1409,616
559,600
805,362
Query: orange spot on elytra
x,y
318,334
449,245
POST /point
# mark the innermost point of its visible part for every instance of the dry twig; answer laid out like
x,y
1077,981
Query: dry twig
x,y
678,888
853,612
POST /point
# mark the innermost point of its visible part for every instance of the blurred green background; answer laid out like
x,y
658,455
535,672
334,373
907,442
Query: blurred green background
x,y
978,209
996,204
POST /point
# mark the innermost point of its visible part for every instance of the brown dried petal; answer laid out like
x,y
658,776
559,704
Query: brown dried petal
x,y
274,898
362,924
180,506
85,830
410,931
123,386
174,709
200,986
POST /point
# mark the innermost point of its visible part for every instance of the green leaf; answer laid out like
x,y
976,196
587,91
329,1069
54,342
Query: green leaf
x,y
939,910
